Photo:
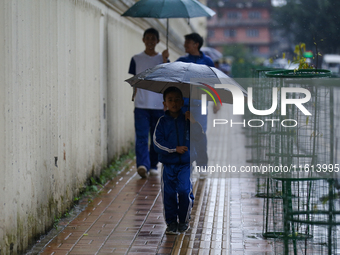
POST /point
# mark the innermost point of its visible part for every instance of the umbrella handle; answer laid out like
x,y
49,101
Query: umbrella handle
x,y
185,131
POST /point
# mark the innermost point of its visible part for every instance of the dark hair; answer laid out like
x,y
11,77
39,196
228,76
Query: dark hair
x,y
172,90
151,31
196,38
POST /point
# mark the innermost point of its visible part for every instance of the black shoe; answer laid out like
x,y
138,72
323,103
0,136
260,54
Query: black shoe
x,y
172,228
182,227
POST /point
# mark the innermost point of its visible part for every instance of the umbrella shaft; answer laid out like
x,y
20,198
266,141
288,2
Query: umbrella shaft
x,y
167,32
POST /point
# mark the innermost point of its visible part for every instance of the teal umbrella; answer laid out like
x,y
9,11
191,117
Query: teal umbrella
x,y
162,9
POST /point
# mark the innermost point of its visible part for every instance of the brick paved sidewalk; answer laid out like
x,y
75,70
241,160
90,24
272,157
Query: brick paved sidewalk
x,y
127,218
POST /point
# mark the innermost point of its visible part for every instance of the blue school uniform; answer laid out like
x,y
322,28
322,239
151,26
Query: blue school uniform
x,y
176,184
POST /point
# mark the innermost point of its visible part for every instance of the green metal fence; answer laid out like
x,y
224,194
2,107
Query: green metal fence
x,y
302,205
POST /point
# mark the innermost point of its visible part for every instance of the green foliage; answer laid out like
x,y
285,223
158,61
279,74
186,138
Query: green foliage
x,y
56,221
301,60
92,187
299,50
243,60
239,52
107,174
67,213
58,218
307,19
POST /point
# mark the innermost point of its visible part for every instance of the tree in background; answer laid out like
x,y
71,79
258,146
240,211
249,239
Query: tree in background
x,y
311,21
243,60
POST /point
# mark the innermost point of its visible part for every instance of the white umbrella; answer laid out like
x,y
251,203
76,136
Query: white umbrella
x,y
214,54
193,80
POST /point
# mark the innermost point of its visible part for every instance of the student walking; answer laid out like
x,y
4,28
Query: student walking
x,y
148,104
172,143
192,45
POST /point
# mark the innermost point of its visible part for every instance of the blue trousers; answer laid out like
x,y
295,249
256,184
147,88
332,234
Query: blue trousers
x,y
178,198
145,123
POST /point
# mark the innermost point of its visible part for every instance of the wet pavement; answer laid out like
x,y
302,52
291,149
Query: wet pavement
x,y
127,216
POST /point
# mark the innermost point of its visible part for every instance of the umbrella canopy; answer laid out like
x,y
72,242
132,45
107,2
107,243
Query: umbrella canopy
x,y
161,9
192,79
211,52
168,9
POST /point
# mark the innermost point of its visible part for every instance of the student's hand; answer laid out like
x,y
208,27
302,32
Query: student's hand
x,y
134,94
189,116
165,55
216,108
181,149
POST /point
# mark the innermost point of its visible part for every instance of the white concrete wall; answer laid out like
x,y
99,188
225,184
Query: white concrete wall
x,y
65,110
50,111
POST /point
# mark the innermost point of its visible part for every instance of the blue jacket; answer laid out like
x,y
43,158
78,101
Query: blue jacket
x,y
202,59
170,133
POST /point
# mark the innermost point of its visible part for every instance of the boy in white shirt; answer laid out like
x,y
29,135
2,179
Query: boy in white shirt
x,y
148,104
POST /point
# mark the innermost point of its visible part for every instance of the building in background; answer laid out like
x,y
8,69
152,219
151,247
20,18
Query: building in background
x,y
246,22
